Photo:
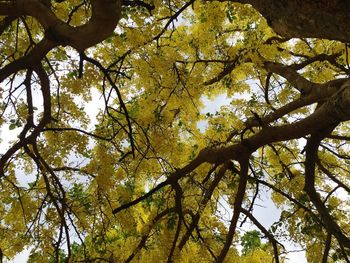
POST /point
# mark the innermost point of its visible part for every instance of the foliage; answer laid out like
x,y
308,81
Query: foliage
x,y
250,241
142,180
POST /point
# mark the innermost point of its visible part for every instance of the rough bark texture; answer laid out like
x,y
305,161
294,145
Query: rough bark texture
x,y
328,19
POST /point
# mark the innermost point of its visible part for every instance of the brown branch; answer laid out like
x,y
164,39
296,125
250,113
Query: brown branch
x,y
178,206
64,129
72,169
327,248
237,206
266,88
30,121
321,57
105,15
44,167
331,112
340,156
33,57
319,93
251,206
229,67
309,187
338,137
299,82
172,18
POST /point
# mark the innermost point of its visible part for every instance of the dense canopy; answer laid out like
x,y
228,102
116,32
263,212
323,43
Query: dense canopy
x,y
116,160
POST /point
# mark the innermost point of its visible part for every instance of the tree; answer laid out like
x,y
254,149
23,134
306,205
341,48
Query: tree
x,y
144,183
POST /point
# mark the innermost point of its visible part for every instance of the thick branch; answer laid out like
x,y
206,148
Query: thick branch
x,y
327,248
104,18
298,18
310,161
293,77
236,209
319,93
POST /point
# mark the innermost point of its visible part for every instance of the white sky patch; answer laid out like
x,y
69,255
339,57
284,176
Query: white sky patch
x,y
93,107
7,136
297,255
21,257
213,105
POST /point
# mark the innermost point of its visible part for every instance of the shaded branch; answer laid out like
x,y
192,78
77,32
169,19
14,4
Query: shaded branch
x,y
309,187
237,206
327,248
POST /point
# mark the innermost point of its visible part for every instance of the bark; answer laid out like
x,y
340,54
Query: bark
x,y
328,19
105,17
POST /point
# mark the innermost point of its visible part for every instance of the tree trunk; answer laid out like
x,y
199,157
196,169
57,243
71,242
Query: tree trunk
x,y
328,19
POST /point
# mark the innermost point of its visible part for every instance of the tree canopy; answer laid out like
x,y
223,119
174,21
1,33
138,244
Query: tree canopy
x,y
150,178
